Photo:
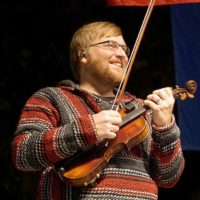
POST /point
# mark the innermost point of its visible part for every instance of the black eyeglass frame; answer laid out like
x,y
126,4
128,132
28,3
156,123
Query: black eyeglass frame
x,y
114,45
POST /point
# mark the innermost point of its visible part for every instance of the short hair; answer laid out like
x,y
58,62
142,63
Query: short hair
x,y
85,35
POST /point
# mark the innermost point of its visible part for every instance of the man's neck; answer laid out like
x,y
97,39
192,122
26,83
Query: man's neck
x,y
105,91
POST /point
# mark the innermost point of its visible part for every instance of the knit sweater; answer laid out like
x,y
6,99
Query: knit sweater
x,y
56,122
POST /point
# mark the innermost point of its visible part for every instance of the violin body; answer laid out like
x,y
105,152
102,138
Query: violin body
x,y
86,167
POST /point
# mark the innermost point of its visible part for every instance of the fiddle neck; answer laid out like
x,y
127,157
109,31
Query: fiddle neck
x,y
178,93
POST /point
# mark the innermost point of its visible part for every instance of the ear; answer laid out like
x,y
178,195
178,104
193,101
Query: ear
x,y
82,56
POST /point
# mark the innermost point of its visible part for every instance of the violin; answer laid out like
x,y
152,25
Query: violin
x,y
86,166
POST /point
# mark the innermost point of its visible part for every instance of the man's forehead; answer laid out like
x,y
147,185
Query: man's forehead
x,y
114,38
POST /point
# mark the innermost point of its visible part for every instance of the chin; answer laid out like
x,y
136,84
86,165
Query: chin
x,y
116,82
113,78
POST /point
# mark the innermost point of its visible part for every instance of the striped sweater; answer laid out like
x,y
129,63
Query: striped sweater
x,y
57,121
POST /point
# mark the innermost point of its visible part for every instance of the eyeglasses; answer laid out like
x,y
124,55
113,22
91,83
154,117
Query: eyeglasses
x,y
113,45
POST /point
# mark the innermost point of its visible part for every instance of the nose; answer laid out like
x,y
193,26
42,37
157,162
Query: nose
x,y
120,52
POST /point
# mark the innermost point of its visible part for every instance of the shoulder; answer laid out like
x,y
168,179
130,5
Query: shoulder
x,y
51,91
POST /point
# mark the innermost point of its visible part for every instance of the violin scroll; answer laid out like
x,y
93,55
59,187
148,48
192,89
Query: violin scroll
x,y
188,91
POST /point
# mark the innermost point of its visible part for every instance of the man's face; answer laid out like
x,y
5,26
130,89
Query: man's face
x,y
107,59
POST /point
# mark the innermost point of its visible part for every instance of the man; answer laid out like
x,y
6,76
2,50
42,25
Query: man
x,y
57,122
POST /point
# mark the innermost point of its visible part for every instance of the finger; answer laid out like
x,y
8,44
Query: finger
x,y
117,121
154,98
111,135
164,93
114,128
113,117
151,104
111,113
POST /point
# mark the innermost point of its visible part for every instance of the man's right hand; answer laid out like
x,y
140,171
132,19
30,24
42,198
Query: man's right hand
x,y
107,124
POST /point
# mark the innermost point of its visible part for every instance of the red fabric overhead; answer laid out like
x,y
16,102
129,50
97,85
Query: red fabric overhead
x,y
146,2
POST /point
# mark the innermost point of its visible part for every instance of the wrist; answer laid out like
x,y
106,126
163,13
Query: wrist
x,y
164,128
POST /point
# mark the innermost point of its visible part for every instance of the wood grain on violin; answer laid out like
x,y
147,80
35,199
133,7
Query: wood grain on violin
x,y
85,166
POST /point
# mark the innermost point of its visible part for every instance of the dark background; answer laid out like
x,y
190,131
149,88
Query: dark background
x,y
35,36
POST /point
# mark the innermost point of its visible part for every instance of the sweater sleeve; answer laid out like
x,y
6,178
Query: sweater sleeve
x,y
167,161
41,139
